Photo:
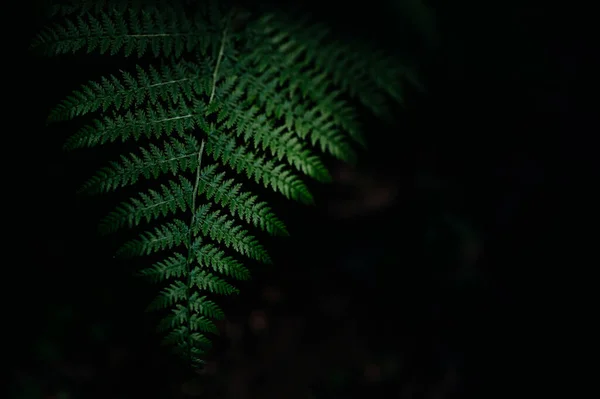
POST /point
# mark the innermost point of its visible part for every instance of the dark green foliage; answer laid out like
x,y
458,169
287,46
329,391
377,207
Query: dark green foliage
x,y
220,93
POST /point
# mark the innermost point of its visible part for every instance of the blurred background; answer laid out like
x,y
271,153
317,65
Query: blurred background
x,y
418,274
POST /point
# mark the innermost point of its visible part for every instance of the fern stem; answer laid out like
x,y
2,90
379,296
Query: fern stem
x,y
197,181
190,256
218,64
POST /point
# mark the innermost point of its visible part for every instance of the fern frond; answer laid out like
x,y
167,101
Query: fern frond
x,y
175,156
366,75
226,95
209,256
174,266
206,281
244,204
249,122
166,236
224,230
176,196
82,7
163,32
284,83
224,148
181,316
174,82
152,123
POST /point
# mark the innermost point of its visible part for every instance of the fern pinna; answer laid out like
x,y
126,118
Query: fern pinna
x,y
232,93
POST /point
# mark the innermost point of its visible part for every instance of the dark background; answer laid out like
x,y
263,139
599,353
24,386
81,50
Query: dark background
x,y
504,125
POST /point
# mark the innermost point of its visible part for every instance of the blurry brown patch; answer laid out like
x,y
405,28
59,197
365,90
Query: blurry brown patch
x,y
258,321
372,373
272,294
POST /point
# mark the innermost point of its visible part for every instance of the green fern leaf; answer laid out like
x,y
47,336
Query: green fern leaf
x,y
226,97
133,31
